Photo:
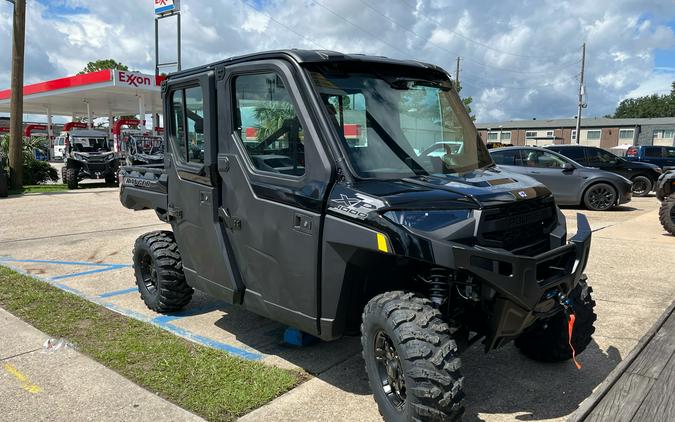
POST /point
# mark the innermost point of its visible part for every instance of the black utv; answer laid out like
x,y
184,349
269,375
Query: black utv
x,y
344,194
665,192
144,150
88,155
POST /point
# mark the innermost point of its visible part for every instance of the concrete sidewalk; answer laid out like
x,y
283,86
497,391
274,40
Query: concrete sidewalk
x,y
36,384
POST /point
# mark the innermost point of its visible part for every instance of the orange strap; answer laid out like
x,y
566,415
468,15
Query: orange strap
x,y
570,328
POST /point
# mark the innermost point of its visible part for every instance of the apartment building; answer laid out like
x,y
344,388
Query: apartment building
x,y
599,132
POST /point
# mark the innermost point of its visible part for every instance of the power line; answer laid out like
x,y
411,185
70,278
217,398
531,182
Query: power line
x,y
283,25
487,46
362,29
447,50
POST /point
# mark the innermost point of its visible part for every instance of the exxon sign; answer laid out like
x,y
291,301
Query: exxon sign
x,y
133,79
166,6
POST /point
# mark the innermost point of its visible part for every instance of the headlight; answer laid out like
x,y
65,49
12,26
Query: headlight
x,y
110,156
427,220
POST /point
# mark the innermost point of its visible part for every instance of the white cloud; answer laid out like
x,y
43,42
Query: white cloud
x,y
519,60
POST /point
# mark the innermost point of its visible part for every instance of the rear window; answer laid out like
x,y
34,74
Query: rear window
x,y
653,152
576,154
506,158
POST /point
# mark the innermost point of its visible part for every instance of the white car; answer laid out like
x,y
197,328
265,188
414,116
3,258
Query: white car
x,y
59,147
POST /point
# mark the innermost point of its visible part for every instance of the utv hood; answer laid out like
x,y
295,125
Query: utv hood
x,y
477,189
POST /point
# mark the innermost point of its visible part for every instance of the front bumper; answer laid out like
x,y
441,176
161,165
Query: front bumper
x,y
626,195
526,287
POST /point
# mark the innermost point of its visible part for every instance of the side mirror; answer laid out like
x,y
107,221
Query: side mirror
x,y
568,166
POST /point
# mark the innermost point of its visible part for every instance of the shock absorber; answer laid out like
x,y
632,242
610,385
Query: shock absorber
x,y
439,285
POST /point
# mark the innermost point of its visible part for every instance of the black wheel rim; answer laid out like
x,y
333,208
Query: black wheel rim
x,y
601,197
639,187
389,370
148,273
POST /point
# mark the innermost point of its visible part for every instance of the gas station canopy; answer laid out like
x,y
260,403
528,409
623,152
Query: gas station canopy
x,y
103,93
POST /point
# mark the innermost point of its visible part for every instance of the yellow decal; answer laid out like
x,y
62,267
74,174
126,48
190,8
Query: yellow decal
x,y
382,243
25,384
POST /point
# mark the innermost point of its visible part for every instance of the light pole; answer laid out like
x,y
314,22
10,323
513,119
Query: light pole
x,y
16,106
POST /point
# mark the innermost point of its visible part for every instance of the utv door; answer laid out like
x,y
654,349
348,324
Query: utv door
x,y
275,177
192,136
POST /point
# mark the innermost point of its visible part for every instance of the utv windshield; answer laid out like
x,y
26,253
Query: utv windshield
x,y
150,145
397,121
81,144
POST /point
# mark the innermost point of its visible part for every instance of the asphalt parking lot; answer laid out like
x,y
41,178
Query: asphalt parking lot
x,y
81,241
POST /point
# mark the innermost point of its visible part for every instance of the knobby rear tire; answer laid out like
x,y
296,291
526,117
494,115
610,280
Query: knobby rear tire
x,y
159,272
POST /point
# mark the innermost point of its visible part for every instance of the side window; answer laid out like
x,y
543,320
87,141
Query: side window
x,y
268,124
178,124
576,154
194,113
670,152
506,158
598,157
653,152
542,159
187,124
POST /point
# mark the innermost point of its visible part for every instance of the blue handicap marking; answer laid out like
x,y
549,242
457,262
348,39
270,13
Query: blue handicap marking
x,y
118,292
102,267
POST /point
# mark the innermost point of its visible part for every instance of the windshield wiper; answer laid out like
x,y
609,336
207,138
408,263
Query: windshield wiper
x,y
395,147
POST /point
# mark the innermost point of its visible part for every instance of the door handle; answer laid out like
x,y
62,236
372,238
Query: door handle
x,y
302,223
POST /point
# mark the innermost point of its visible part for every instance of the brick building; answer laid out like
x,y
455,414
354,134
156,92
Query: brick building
x,y
600,132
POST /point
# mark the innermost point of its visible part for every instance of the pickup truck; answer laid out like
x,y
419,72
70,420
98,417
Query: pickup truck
x,y
661,156
406,234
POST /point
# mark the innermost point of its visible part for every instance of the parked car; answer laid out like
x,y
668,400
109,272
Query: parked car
x,y
643,175
59,147
570,182
663,157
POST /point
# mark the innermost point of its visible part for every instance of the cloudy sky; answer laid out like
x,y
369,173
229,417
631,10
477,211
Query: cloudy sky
x,y
520,59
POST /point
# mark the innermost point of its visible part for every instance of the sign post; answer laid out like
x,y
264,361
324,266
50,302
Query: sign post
x,y
165,9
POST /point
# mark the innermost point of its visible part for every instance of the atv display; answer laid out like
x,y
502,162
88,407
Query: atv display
x,y
88,155
342,194
665,192
144,150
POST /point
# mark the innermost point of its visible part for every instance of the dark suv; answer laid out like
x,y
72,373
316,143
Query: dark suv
x,y
643,175
662,156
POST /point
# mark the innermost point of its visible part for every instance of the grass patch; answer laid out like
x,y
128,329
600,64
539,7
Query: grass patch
x,y
39,188
57,187
208,382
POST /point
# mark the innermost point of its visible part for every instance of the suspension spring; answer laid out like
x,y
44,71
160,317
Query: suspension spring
x,y
439,286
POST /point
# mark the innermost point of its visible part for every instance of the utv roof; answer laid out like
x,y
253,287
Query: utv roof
x,y
305,56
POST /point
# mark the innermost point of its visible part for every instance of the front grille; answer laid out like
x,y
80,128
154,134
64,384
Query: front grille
x,y
521,227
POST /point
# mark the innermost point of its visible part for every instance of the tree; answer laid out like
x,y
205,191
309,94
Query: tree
x,y
467,102
647,106
103,64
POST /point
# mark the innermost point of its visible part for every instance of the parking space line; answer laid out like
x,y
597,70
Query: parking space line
x,y
118,292
181,332
100,270
56,262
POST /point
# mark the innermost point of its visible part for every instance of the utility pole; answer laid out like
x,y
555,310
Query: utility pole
x,y
581,91
16,107
457,75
